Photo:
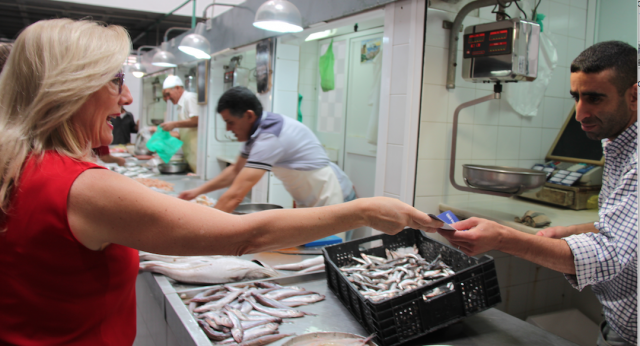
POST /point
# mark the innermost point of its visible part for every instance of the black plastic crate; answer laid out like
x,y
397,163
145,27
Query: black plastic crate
x,y
411,314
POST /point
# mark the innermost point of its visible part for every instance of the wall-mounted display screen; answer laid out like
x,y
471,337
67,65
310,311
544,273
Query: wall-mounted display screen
x,y
488,43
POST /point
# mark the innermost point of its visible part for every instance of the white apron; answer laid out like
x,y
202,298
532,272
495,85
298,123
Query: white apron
x,y
315,188
189,138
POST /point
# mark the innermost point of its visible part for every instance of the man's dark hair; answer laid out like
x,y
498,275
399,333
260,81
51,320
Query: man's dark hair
x,y
616,55
238,100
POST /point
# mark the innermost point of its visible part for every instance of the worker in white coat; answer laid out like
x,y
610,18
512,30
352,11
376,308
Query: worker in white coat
x,y
188,111
279,144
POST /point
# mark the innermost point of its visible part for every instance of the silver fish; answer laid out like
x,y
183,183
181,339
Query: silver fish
x,y
219,304
212,334
302,300
221,269
301,265
285,293
258,331
403,270
236,331
312,269
276,312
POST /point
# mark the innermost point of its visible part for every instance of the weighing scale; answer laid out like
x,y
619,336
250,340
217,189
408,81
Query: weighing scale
x,y
505,51
574,168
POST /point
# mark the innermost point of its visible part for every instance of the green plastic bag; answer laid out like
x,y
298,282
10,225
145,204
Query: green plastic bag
x,y
300,107
164,144
326,69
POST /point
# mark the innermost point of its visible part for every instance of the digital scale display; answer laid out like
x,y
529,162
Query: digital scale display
x,y
488,43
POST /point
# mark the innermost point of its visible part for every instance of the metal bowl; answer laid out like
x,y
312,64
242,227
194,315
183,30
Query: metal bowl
x,y
172,167
157,121
503,179
249,208
329,338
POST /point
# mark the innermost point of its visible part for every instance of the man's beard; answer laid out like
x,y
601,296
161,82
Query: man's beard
x,y
616,122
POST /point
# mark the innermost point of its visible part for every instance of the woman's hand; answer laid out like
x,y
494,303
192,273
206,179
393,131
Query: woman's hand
x,y
480,236
391,216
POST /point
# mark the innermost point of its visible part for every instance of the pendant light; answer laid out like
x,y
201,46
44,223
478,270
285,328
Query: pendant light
x,y
279,16
196,44
138,70
163,57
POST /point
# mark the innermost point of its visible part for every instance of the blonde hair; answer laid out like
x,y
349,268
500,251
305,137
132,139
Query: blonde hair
x,y
5,49
53,68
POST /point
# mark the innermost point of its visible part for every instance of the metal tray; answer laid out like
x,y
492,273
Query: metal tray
x,y
172,167
341,320
314,339
503,179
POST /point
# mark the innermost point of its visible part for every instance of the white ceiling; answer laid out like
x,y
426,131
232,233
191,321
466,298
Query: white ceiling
x,y
162,6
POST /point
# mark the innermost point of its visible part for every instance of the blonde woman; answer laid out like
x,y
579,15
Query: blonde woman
x,y
69,228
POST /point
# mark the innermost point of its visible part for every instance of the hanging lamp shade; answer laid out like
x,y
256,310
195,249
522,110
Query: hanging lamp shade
x,y
138,70
278,16
195,44
163,57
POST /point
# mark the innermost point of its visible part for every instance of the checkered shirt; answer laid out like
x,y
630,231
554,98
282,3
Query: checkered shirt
x,y
608,260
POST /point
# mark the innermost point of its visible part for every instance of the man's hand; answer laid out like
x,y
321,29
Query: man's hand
x,y
390,215
168,126
481,235
120,161
188,195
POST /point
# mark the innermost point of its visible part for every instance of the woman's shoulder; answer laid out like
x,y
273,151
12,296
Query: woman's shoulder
x,y
53,162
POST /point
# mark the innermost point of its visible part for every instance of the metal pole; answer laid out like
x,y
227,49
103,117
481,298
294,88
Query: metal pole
x,y
158,22
193,15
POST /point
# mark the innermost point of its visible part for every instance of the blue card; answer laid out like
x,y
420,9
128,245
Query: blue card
x,y
446,226
448,217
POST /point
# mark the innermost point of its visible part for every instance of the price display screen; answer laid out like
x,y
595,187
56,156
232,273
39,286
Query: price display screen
x,y
488,43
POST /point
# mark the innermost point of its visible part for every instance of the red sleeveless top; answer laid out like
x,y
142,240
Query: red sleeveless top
x,y
54,290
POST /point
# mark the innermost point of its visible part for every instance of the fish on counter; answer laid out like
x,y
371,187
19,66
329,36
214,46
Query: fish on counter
x,y
244,314
303,267
206,269
302,264
378,278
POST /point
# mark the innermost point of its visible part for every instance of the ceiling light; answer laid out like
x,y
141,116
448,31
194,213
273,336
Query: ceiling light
x,y
278,16
196,44
163,57
321,34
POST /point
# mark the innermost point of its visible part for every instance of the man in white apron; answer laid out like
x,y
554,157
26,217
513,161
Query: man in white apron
x,y
276,143
187,124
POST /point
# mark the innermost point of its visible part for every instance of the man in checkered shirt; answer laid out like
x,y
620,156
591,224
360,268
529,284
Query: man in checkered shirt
x,y
601,254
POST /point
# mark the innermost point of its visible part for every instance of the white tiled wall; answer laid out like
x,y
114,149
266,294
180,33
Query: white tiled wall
x,y
285,102
217,148
399,99
492,133
307,86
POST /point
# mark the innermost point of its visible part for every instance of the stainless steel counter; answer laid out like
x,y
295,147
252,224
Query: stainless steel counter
x,y
170,323
491,327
